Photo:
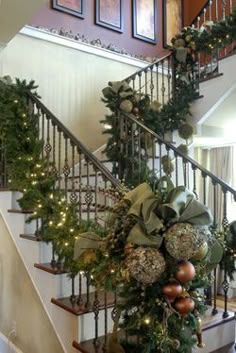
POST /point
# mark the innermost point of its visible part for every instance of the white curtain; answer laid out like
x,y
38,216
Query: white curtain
x,y
220,162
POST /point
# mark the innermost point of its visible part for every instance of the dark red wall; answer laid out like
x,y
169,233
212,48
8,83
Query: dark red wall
x,y
191,10
50,18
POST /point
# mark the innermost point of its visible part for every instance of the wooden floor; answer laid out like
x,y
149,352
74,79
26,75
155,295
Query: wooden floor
x,y
228,349
231,303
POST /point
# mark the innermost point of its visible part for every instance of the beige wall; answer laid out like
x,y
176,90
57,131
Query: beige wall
x,y
19,302
70,81
15,14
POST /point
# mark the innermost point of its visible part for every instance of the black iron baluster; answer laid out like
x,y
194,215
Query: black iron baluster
x,y
204,188
48,147
139,153
59,159
225,284
105,198
66,168
73,296
157,81
162,84
169,77
194,181
214,204
73,194
80,184
146,81
104,348
54,168
140,82
88,194
87,304
133,131
214,310
53,261
160,159
184,163
133,83
96,306
42,132
153,146
80,297
96,190
176,170
151,83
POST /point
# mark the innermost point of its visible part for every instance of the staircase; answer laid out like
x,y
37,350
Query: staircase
x,y
89,185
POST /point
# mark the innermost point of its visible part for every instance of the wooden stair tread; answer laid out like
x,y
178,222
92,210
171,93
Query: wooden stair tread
x,y
209,321
16,210
30,237
47,267
80,309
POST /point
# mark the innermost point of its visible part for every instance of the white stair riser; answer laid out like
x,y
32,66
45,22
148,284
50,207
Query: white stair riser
x,y
87,325
65,324
217,337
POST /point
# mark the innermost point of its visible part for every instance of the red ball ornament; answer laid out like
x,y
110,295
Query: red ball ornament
x,y
172,290
184,306
186,272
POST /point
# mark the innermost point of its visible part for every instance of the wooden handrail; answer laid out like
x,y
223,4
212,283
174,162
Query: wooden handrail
x,y
127,79
194,164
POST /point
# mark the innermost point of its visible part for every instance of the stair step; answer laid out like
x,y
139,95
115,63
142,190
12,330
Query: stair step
x,y
15,210
210,77
47,267
80,309
230,348
209,322
30,237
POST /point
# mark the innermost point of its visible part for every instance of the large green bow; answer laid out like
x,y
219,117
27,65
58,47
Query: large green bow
x,y
181,206
143,204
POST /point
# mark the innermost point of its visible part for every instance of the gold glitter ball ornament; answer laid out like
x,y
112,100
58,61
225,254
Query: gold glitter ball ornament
x,y
146,265
182,241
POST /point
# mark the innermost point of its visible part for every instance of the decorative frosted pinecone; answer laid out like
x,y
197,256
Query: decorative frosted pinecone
x,y
146,265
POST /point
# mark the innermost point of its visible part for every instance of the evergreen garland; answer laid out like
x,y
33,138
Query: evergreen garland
x,y
120,97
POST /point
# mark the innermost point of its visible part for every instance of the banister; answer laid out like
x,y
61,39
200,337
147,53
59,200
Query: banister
x,y
194,164
127,79
74,140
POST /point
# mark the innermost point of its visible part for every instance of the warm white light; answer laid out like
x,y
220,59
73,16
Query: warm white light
x,y
107,127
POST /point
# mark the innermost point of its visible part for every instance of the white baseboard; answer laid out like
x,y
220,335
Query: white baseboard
x,y
6,346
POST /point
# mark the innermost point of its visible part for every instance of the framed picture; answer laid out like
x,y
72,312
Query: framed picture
x,y
73,7
172,19
145,20
109,13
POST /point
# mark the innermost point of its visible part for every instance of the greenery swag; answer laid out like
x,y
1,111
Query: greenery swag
x,y
120,97
156,256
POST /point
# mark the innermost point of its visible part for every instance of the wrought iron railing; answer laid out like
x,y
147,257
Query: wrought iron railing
x,y
208,188
213,10
156,80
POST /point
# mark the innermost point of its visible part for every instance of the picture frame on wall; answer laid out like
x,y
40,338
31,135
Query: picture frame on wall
x,y
173,19
72,7
109,14
145,20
